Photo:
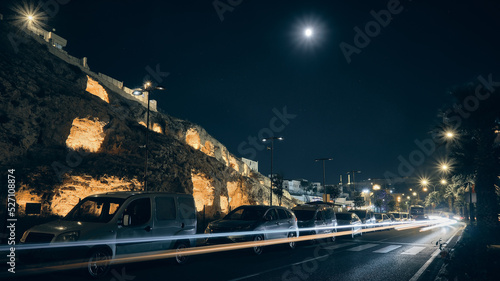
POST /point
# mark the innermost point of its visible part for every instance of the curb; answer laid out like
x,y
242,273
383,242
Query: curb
x,y
443,272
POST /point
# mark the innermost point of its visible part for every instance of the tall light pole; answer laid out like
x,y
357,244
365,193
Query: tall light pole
x,y
272,149
324,180
148,88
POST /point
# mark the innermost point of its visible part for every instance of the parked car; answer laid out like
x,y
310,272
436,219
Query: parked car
x,y
391,216
271,222
366,216
114,217
382,218
316,219
399,216
349,218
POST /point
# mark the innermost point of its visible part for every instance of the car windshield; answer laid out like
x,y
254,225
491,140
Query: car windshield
x,y
396,215
304,215
246,214
96,209
345,217
378,216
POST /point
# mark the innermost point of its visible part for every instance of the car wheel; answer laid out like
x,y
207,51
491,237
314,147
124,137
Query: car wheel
x,y
257,249
292,244
179,258
98,264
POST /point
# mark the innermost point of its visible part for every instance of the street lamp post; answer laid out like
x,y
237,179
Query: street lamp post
x,y
324,180
148,88
272,149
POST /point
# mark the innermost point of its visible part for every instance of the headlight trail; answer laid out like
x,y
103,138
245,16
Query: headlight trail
x,y
446,223
336,231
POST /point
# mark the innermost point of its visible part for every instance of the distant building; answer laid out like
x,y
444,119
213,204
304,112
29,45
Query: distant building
x,y
254,165
50,37
317,186
293,186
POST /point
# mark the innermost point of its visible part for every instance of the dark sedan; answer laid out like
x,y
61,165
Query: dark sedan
x,y
271,222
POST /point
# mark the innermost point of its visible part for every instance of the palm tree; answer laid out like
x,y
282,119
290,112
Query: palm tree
x,y
477,152
455,192
433,199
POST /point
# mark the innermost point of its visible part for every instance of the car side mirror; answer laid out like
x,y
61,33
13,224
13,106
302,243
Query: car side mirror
x,y
127,220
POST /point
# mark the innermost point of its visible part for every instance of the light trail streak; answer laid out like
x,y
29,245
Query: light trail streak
x,y
446,223
345,230
90,243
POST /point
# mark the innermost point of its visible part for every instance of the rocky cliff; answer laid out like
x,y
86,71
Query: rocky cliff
x,y
68,136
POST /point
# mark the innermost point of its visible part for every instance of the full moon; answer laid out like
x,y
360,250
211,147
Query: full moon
x,y
308,32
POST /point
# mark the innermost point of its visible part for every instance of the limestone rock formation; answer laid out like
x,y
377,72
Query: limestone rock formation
x,y
68,136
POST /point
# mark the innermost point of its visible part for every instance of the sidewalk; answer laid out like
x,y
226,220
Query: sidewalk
x,y
436,269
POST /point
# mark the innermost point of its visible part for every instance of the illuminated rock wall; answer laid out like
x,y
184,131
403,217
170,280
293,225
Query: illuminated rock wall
x,y
199,139
69,135
96,89
74,188
86,134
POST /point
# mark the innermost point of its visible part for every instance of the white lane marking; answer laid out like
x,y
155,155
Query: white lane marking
x,y
362,247
337,246
387,249
413,251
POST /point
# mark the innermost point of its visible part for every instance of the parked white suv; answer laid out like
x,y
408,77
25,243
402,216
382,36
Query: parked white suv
x,y
104,226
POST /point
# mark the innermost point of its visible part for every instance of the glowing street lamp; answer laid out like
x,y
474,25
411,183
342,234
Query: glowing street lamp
x,y
29,15
443,181
449,135
445,167
376,187
146,90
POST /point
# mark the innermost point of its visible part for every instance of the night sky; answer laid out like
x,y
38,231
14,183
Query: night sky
x,y
231,76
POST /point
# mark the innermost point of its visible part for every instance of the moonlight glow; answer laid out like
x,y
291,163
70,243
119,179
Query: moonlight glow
x,y
308,32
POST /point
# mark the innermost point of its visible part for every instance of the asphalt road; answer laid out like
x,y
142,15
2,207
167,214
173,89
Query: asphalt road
x,y
384,255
